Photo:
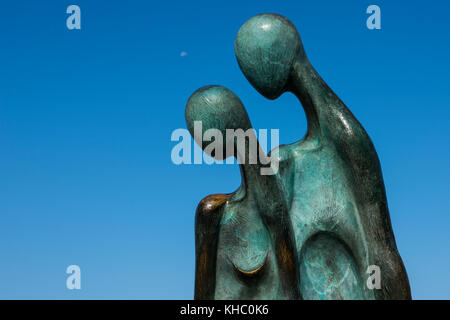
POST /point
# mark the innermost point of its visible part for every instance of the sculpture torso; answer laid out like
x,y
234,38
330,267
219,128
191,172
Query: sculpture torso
x,y
325,220
246,266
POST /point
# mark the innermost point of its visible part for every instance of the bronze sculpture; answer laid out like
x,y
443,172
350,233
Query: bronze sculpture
x,y
311,230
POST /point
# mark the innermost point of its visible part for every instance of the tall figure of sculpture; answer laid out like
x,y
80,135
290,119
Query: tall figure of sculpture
x,y
314,229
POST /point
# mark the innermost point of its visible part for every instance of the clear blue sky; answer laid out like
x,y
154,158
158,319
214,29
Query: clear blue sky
x,y
86,117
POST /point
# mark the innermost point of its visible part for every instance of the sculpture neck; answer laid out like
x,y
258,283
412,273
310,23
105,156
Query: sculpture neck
x,y
249,177
251,171
312,91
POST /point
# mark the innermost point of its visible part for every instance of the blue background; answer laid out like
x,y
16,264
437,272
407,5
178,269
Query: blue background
x,y
86,116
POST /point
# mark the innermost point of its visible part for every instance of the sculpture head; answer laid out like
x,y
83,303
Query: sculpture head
x,y
266,47
217,108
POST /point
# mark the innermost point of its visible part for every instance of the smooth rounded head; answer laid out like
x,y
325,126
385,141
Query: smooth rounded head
x,y
217,108
266,47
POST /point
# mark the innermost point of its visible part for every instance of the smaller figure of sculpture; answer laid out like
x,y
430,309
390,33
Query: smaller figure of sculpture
x,y
254,257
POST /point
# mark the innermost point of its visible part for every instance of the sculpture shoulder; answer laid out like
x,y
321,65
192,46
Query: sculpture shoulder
x,y
209,207
212,202
282,154
344,128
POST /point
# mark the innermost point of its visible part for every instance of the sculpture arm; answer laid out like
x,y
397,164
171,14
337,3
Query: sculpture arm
x,y
207,225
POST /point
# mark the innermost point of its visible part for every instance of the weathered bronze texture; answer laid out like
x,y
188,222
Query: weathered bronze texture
x,y
312,230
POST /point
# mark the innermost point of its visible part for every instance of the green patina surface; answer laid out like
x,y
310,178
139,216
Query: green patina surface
x,y
311,230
